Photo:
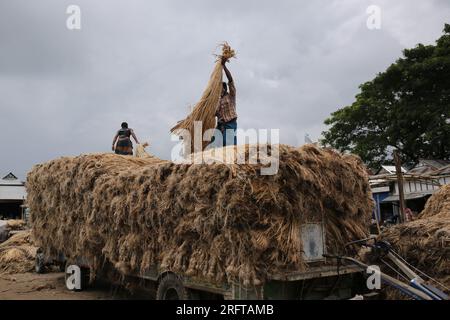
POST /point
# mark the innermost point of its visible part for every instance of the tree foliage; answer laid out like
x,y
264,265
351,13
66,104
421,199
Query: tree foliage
x,y
407,107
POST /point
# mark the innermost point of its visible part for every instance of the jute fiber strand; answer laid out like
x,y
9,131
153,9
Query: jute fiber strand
x,y
217,221
425,242
205,110
141,152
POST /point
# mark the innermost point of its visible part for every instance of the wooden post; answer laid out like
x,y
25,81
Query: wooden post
x,y
401,194
378,214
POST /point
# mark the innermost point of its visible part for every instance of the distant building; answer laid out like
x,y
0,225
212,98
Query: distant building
x,y
388,170
428,166
443,174
419,184
12,197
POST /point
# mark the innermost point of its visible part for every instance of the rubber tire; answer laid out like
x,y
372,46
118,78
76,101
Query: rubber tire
x,y
173,284
39,263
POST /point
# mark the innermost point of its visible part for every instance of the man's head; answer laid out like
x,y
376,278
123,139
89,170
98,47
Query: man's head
x,y
224,88
124,125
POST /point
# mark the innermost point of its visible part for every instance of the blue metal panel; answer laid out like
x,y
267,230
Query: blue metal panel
x,y
381,195
378,197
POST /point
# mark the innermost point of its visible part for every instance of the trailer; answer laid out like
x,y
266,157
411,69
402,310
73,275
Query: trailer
x,y
323,278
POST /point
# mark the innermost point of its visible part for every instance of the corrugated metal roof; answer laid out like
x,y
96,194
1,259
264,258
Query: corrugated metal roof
x,y
428,166
409,196
10,176
436,163
391,169
12,192
442,171
421,170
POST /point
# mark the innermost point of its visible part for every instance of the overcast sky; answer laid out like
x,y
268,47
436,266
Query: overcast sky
x,y
65,92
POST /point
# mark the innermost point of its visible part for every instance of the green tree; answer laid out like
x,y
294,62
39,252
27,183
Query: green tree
x,y
407,107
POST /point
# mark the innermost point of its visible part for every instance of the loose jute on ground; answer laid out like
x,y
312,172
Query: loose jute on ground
x,y
17,254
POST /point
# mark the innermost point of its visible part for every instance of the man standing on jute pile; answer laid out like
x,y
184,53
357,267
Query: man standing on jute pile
x,y
226,110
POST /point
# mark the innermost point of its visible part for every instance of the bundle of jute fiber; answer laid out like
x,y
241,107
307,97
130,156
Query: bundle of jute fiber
x,y
6,226
17,254
425,242
217,221
204,111
140,151
16,224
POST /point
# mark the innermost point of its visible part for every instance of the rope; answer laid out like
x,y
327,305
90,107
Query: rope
x,y
418,271
393,269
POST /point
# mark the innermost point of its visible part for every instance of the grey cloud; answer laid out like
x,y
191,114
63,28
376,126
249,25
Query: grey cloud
x,y
65,92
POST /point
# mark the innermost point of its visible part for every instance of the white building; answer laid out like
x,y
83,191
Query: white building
x,y
419,184
12,197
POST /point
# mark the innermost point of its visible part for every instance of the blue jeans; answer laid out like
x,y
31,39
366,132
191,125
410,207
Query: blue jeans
x,y
228,130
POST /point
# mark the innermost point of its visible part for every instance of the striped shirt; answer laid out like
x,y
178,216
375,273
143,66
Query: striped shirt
x,y
226,109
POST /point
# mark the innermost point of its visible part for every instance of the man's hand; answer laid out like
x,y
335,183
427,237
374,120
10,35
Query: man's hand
x,y
113,148
227,72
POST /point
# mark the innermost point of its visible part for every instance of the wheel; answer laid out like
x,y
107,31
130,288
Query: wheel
x,y
171,288
39,263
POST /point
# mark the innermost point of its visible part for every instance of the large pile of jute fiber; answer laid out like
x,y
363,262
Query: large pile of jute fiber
x,y
204,111
425,242
17,254
438,204
216,221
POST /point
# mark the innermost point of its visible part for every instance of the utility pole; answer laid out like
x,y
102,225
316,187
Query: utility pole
x,y
401,194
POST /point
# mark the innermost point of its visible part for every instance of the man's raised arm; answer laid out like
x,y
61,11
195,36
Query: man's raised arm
x,y
230,79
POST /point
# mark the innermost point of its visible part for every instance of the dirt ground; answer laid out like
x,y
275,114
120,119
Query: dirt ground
x,y
51,286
